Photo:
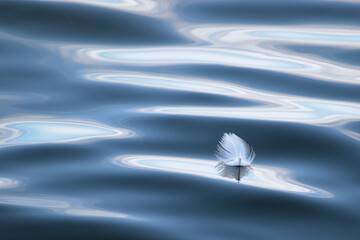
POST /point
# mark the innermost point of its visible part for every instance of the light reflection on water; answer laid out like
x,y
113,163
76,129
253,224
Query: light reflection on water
x,y
169,82
60,206
8,183
144,7
203,55
275,106
330,114
311,113
322,37
53,203
238,46
272,178
266,39
55,131
18,98
311,34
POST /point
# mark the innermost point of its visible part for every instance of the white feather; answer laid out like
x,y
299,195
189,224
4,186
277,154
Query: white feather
x,y
234,151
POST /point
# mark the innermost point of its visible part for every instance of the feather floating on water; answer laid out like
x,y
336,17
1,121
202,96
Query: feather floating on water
x,y
234,151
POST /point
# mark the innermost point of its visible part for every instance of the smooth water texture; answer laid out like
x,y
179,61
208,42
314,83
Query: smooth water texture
x,y
110,113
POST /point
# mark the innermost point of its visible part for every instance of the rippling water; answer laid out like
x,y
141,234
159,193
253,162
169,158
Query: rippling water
x,y
111,111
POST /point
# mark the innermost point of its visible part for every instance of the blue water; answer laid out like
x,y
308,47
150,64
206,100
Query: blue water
x,y
110,113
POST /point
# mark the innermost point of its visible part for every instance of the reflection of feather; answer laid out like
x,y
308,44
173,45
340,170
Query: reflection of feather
x,y
233,172
234,151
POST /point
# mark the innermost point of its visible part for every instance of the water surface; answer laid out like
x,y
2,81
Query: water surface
x,y
110,112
